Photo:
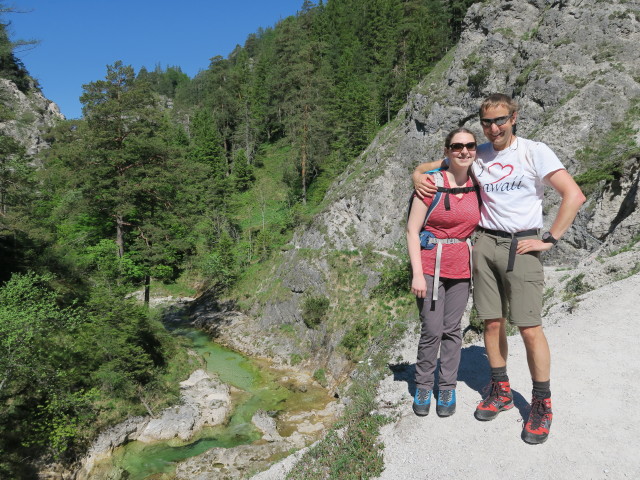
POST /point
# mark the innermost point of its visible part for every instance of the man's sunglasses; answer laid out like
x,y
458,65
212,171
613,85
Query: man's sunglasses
x,y
458,147
499,121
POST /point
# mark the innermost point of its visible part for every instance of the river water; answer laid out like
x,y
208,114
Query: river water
x,y
260,388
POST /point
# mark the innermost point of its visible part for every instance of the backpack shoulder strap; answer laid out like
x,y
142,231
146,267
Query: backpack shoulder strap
x,y
437,177
476,186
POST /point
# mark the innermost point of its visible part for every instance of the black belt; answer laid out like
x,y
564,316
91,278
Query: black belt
x,y
514,241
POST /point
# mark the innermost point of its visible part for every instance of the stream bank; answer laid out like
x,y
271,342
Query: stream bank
x,y
237,415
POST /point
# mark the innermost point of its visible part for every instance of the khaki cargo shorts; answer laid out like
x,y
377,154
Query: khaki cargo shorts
x,y
515,295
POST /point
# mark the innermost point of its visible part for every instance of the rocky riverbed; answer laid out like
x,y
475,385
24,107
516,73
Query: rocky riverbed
x,y
219,427
205,401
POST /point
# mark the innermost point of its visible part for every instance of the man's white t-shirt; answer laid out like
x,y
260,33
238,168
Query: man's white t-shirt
x,y
512,184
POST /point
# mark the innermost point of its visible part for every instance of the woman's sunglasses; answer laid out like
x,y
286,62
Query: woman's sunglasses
x,y
458,147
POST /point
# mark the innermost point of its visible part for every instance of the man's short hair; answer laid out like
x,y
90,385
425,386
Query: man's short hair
x,y
499,100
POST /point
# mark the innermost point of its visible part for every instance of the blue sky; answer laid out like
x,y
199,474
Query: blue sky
x,y
79,38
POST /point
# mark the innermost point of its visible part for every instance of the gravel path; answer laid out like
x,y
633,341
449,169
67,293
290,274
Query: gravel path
x,y
594,382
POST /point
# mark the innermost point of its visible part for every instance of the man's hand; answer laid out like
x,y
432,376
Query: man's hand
x,y
532,245
424,185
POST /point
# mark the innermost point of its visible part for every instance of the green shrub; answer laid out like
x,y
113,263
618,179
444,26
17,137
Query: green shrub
x,y
356,339
286,328
617,146
474,322
576,287
320,376
314,310
395,280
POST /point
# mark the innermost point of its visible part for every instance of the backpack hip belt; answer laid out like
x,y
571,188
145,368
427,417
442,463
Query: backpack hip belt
x,y
436,272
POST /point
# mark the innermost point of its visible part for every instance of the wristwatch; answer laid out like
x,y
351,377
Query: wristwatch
x,y
548,238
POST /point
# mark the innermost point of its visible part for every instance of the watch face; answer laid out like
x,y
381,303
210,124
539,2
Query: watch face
x,y
548,238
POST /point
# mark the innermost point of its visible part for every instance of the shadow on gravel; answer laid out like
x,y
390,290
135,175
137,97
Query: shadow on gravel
x,y
405,372
474,371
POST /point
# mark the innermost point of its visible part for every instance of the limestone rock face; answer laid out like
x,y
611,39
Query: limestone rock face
x,y
572,65
228,463
32,115
205,401
573,78
266,425
614,217
107,441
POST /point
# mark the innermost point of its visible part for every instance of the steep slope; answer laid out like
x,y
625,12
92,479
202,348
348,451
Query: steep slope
x,y
31,114
572,65
575,69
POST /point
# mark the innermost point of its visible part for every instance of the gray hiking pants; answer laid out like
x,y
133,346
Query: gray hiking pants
x,y
441,330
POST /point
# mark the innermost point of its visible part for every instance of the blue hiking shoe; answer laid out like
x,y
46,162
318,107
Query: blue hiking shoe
x,y
446,405
422,402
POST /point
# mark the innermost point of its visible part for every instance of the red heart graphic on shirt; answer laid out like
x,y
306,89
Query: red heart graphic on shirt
x,y
510,167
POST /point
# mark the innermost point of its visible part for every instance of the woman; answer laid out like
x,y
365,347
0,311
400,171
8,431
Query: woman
x,y
442,271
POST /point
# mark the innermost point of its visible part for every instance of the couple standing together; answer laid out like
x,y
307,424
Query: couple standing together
x,y
496,190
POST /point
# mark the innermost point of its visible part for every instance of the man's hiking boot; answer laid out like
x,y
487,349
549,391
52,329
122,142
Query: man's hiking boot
x,y
500,398
536,430
422,402
446,404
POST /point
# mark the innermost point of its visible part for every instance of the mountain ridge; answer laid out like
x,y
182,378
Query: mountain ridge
x,y
578,88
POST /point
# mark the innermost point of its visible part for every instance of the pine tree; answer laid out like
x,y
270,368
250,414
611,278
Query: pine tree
x,y
120,168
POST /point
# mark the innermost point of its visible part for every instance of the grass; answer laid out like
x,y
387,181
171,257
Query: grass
x,y
265,203
635,269
250,289
628,247
575,287
605,157
177,289
351,449
523,78
366,319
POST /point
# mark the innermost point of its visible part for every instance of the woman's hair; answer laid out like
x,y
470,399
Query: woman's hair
x,y
499,100
452,133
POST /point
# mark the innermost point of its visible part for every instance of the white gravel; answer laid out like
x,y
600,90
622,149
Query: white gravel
x,y
595,390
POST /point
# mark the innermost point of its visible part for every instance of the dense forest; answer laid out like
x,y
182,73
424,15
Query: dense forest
x,y
173,183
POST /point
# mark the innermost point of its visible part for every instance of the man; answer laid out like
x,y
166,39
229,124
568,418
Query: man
x,y
507,272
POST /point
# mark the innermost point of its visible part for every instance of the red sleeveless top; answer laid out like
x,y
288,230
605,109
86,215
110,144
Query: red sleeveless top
x,y
459,222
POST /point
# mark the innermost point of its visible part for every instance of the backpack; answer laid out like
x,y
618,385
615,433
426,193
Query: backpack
x,y
428,240
425,235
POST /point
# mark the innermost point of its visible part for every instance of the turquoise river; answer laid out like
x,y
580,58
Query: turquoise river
x,y
260,388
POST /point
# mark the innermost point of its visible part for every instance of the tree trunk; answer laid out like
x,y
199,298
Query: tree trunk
x,y
147,289
120,235
305,147
247,142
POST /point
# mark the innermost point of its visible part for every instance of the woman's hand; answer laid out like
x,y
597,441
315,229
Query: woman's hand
x,y
419,286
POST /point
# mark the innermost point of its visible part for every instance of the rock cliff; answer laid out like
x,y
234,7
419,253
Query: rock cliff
x,y
31,115
574,67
